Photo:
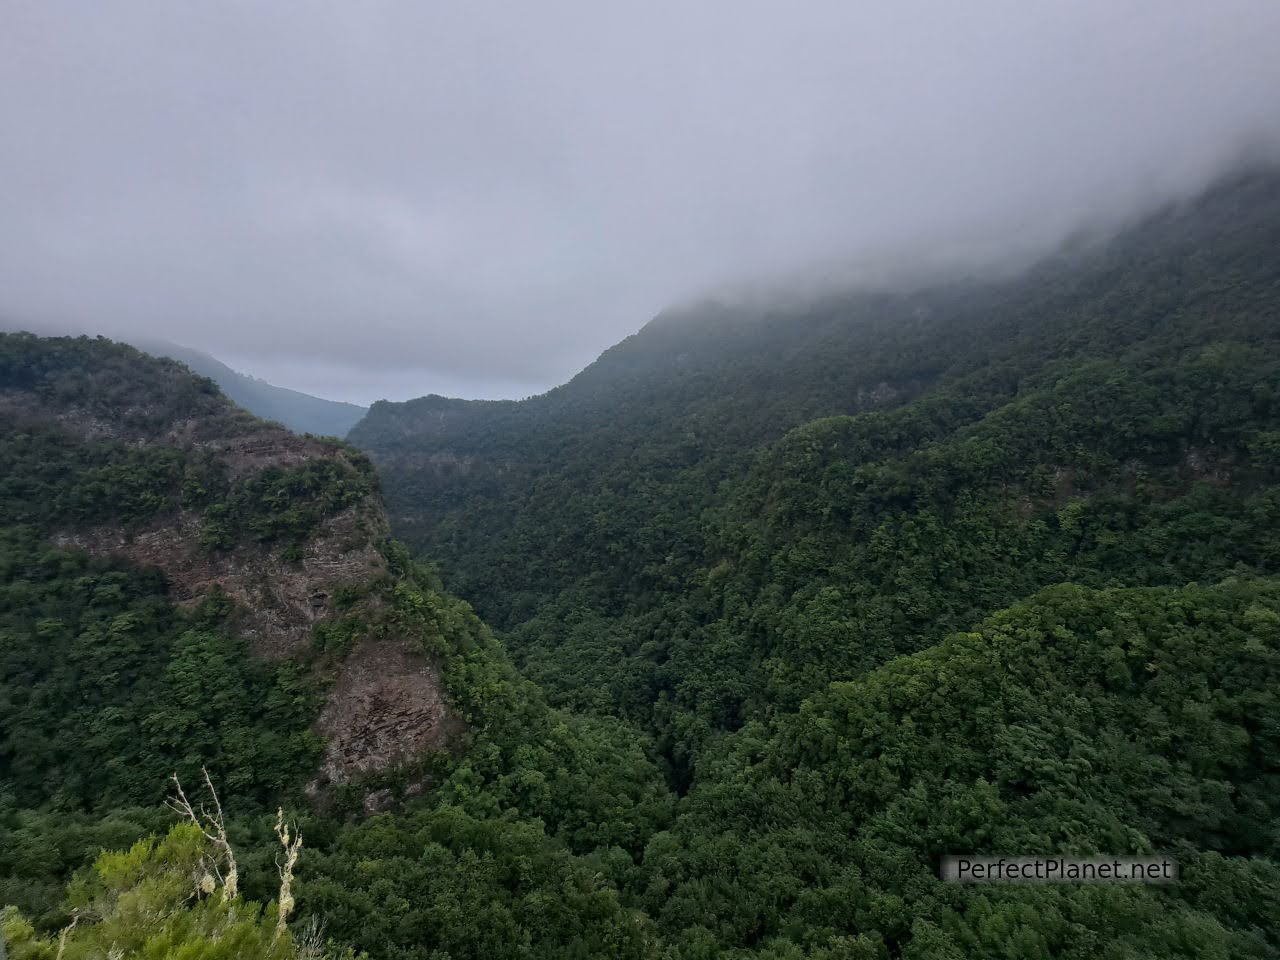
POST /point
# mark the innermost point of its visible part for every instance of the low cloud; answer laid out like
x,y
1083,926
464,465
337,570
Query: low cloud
x,y
397,198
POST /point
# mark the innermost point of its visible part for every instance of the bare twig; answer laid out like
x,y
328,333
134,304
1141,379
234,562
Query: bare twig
x,y
309,942
214,829
62,938
292,844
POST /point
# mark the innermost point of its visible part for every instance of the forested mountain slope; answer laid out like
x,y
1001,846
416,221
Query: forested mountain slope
x,y
184,586
731,508
1081,721
176,568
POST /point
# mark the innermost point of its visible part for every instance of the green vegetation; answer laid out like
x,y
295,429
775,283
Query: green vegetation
x,y
728,511
732,510
110,437
277,505
442,883
160,899
39,849
106,688
52,477
1081,721
790,605
600,486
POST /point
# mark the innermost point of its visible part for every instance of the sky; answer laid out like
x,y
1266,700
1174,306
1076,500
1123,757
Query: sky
x,y
388,199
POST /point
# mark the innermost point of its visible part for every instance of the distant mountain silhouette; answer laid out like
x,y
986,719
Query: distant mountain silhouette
x,y
300,412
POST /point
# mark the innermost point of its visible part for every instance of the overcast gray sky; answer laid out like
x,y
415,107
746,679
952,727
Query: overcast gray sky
x,y
369,199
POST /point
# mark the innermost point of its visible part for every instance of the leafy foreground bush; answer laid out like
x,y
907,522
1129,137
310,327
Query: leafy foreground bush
x,y
164,898
155,900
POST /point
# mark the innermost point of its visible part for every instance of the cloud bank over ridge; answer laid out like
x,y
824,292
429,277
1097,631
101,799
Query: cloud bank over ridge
x,y
391,199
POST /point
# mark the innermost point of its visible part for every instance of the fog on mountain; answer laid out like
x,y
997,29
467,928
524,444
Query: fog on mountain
x,y
477,200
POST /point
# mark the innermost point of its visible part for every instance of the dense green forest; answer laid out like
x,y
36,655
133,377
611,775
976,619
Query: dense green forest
x,y
733,508
744,629
601,484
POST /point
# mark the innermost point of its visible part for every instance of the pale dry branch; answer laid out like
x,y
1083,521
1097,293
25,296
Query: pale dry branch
x,y
292,844
214,829
62,938
309,942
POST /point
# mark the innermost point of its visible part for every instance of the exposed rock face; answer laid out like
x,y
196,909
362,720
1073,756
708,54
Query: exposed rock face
x,y
387,706
278,602
1206,463
271,447
878,395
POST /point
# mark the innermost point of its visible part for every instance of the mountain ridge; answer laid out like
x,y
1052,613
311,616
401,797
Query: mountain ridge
x,y
298,411
284,534
640,428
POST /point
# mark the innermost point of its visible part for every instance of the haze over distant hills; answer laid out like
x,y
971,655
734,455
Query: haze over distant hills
x,y
300,412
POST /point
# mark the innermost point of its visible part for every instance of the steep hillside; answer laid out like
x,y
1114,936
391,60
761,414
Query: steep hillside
x,y
184,586
655,540
300,412
599,482
1079,721
985,567
226,573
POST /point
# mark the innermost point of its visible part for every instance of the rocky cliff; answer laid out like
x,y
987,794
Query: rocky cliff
x,y
124,456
